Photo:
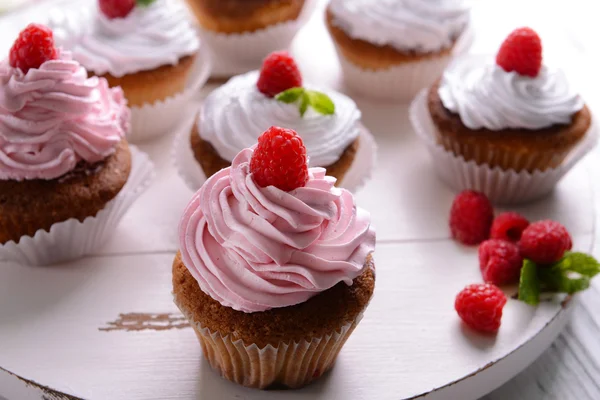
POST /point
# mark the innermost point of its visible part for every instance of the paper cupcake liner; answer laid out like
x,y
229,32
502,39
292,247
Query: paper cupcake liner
x,y
289,364
72,239
193,175
237,53
401,82
501,186
159,118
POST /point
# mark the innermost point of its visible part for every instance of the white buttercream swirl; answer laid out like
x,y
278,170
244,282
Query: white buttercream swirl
x,y
423,26
486,96
236,114
149,37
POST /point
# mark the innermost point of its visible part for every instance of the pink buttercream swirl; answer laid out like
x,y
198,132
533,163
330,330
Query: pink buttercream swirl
x,y
55,116
253,248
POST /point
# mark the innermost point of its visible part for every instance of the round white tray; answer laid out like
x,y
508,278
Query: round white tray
x,y
105,327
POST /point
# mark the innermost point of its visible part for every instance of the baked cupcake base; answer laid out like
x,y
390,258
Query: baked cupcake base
x,y
289,346
509,149
238,16
211,163
30,205
147,87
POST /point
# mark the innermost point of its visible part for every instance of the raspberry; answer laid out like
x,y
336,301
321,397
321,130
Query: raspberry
x,y
280,160
500,262
509,226
545,242
480,307
471,217
279,72
33,47
521,51
116,8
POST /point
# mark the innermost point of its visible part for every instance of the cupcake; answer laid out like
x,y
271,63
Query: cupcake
x,y
233,115
275,267
511,124
63,155
147,47
242,32
394,48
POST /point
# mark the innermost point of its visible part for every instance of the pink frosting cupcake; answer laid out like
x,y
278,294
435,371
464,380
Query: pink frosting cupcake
x,y
63,155
275,268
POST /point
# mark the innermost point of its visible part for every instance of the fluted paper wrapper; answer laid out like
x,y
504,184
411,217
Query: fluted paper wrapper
x,y
237,53
289,364
160,118
501,186
73,239
401,82
192,174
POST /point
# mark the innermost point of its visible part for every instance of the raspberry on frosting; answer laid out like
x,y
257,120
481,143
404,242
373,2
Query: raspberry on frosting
x,y
278,73
33,47
521,51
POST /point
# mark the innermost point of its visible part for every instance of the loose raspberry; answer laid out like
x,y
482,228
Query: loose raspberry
x,y
33,47
500,262
471,217
280,160
279,72
509,226
545,242
521,51
480,307
116,8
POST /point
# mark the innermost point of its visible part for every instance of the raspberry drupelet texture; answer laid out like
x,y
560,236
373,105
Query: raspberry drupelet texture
x,y
545,242
509,226
500,262
33,47
471,217
521,51
280,160
116,8
480,307
278,73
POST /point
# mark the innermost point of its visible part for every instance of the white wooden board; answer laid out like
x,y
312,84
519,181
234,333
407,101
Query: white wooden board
x,y
57,324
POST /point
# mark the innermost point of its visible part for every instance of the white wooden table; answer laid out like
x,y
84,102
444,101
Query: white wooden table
x,y
133,270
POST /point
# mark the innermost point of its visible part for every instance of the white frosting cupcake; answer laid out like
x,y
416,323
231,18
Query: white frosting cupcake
x,y
149,37
234,115
407,25
486,96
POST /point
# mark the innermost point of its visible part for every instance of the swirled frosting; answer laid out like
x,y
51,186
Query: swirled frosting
x,y
234,115
423,26
253,248
55,116
148,38
486,96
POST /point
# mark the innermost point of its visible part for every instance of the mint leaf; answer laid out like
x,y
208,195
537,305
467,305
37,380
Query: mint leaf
x,y
144,3
557,280
304,104
321,102
291,95
581,263
529,284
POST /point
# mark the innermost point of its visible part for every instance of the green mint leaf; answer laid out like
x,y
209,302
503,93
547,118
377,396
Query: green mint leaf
x,y
291,95
529,284
304,103
144,3
582,263
321,102
558,280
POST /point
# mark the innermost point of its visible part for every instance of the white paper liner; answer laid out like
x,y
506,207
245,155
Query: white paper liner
x,y
192,174
289,364
401,82
501,186
234,54
72,239
153,120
